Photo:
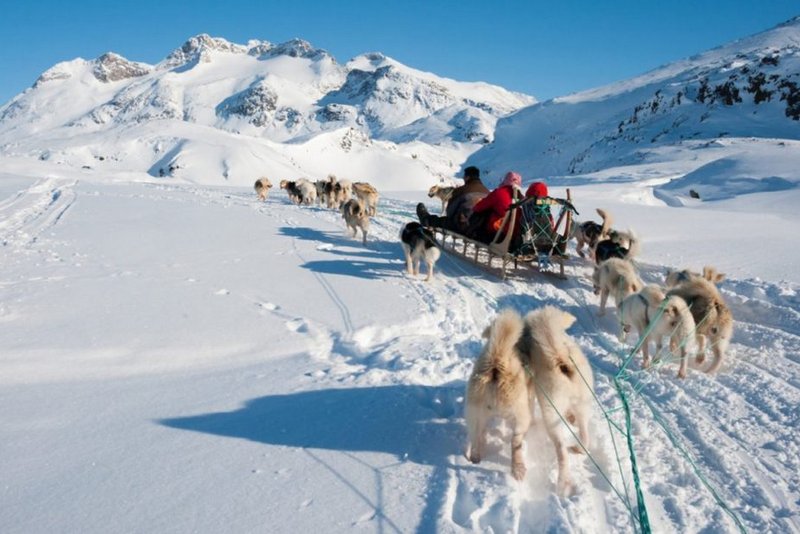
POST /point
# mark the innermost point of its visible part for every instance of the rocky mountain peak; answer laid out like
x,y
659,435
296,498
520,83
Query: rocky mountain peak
x,y
198,49
111,67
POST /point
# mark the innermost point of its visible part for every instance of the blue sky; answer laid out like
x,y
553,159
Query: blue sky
x,y
546,49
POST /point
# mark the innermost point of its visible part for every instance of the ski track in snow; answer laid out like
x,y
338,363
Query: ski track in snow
x,y
742,441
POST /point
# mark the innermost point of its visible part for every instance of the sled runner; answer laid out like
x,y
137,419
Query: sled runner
x,y
528,236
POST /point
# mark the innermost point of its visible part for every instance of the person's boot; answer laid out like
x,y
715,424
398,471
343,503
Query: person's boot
x,y
422,214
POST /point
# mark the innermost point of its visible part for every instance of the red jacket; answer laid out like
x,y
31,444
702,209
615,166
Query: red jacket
x,y
496,203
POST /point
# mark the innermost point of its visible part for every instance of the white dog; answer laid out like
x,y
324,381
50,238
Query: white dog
x,y
499,386
418,244
355,216
615,277
443,193
655,316
563,382
262,187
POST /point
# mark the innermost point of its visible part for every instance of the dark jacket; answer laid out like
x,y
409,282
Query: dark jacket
x,y
461,203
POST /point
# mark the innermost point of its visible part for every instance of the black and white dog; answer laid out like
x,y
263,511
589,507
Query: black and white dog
x,y
418,244
589,233
623,245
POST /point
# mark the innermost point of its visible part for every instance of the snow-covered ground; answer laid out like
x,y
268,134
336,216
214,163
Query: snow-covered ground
x,y
177,357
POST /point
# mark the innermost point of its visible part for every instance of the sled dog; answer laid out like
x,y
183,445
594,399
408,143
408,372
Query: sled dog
x,y
673,278
262,187
418,244
654,316
562,380
443,193
619,244
368,196
355,216
589,233
499,387
712,317
615,277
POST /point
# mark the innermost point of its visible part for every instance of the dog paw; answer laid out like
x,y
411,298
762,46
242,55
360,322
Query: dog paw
x,y
575,449
700,358
566,488
682,374
518,471
473,457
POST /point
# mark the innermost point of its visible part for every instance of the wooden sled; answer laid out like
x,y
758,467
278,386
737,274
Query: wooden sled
x,y
540,239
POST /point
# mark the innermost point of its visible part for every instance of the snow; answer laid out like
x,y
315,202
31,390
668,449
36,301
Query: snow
x,y
176,356
181,357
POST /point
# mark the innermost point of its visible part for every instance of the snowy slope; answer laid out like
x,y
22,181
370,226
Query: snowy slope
x,y
177,357
746,92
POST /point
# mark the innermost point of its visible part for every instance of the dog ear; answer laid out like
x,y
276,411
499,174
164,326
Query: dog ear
x,y
711,274
487,332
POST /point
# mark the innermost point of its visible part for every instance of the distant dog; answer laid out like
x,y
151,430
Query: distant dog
x,y
368,196
355,216
443,193
499,387
322,197
418,244
343,190
590,233
617,278
655,316
563,382
300,191
262,187
712,317
709,273
623,245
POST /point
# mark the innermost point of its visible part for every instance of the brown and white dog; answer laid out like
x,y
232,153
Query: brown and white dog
x,y
262,187
709,273
443,193
368,196
563,382
712,317
615,277
355,216
499,387
589,233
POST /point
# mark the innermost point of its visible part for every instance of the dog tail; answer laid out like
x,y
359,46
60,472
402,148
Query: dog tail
x,y
607,220
501,360
635,246
547,327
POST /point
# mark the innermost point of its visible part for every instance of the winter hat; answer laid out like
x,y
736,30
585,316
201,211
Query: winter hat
x,y
537,189
512,178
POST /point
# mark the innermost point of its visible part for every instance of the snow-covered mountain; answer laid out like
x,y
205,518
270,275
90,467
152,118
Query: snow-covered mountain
x,y
739,103
213,111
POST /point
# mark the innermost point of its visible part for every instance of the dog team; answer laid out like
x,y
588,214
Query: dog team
x,y
357,201
532,360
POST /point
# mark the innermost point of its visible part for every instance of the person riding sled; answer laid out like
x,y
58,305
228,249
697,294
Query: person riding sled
x,y
459,208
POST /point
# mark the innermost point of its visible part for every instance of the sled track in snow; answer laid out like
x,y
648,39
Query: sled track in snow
x,y
26,215
738,427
